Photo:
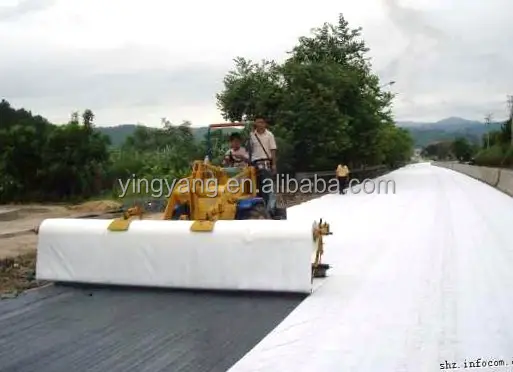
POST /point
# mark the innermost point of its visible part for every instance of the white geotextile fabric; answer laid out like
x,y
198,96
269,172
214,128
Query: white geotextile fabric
x,y
246,255
421,279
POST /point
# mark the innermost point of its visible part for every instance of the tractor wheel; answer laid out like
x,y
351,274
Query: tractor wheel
x,y
258,213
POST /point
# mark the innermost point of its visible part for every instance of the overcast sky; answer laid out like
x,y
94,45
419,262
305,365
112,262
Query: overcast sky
x,y
140,60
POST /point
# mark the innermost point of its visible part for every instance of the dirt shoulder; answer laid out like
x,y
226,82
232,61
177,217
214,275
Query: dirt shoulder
x,y
30,216
18,274
18,243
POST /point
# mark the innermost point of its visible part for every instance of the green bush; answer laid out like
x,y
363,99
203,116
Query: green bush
x,y
495,156
508,157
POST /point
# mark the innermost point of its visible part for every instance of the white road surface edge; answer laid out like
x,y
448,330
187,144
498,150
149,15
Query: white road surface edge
x,y
421,280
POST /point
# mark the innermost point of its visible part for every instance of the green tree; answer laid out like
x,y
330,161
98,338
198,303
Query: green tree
x,y
42,161
505,133
74,118
497,150
462,149
164,152
395,145
441,150
88,118
323,101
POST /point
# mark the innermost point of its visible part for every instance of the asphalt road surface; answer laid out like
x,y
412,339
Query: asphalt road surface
x,y
69,329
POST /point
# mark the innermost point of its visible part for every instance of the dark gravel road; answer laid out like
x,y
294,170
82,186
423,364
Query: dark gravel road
x,y
67,329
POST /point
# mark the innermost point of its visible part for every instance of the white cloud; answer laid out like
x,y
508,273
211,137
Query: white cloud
x,y
137,61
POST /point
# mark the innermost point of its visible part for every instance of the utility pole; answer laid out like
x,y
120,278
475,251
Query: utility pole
x,y
510,116
488,121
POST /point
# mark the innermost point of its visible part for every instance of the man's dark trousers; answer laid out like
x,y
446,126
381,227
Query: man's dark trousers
x,y
265,181
342,184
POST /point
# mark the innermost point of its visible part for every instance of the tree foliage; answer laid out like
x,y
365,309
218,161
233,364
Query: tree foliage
x,y
324,103
462,149
42,160
442,150
157,152
497,149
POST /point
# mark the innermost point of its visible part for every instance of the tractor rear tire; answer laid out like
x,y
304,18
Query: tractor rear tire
x,y
258,213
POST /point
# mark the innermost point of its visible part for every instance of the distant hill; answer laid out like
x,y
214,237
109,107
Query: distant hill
x,y
119,133
423,133
447,129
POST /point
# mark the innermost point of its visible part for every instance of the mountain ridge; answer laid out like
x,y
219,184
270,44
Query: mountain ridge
x,y
422,133
448,129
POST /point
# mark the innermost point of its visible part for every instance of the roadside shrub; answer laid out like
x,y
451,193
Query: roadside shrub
x,y
495,156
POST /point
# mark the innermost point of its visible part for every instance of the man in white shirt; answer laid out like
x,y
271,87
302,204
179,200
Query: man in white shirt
x,y
263,146
263,157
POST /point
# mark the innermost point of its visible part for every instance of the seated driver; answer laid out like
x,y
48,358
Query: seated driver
x,y
236,156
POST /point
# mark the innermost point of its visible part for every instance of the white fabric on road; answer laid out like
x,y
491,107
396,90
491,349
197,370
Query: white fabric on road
x,y
237,255
420,277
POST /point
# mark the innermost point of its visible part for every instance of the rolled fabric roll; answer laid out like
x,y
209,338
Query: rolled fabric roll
x,y
249,255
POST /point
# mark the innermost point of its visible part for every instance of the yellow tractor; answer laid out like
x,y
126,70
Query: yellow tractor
x,y
214,193
216,233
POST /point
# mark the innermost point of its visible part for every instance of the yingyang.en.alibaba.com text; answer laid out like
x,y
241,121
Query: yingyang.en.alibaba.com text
x,y
282,184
